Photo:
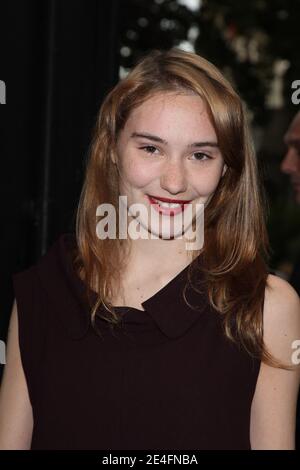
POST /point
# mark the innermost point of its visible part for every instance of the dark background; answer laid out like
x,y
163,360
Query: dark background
x,y
58,58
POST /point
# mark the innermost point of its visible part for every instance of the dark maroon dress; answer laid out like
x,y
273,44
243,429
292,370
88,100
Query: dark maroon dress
x,y
167,379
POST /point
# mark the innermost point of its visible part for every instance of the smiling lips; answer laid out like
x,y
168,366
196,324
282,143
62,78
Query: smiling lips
x,y
165,199
168,206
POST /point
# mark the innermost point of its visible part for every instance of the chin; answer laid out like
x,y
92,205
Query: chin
x,y
167,233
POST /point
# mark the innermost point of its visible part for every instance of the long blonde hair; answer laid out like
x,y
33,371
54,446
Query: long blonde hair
x,y
234,261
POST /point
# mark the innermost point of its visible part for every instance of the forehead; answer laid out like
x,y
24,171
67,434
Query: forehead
x,y
171,111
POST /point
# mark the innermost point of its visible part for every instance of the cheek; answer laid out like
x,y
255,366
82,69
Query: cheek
x,y
137,173
206,181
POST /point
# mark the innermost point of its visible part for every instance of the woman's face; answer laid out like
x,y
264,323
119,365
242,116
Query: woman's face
x,y
168,149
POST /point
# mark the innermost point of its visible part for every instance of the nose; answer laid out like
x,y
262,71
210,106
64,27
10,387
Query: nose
x,y
173,178
290,164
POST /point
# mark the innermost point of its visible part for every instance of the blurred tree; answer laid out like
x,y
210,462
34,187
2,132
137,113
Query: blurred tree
x,y
245,39
151,24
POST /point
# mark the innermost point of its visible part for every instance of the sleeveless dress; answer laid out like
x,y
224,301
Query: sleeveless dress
x,y
167,379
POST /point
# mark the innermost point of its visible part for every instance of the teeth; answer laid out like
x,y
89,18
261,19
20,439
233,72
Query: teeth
x,y
167,204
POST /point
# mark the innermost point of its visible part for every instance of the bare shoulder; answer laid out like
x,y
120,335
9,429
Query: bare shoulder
x,y
273,410
279,291
16,419
281,317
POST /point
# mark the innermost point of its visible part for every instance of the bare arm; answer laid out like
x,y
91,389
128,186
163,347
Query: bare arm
x,y
273,412
16,421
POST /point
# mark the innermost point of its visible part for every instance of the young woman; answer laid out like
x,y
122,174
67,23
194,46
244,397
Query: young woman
x,y
142,340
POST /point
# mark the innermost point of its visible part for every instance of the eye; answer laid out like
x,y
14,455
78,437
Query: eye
x,y
200,156
149,149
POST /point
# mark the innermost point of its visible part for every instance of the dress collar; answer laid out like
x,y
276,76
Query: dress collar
x,y
166,309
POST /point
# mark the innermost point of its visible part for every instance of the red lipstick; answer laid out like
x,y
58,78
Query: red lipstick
x,y
170,211
172,201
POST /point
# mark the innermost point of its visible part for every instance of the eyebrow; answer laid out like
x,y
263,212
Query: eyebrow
x,y
156,138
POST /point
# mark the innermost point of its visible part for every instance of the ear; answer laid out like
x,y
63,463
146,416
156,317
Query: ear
x,y
224,170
